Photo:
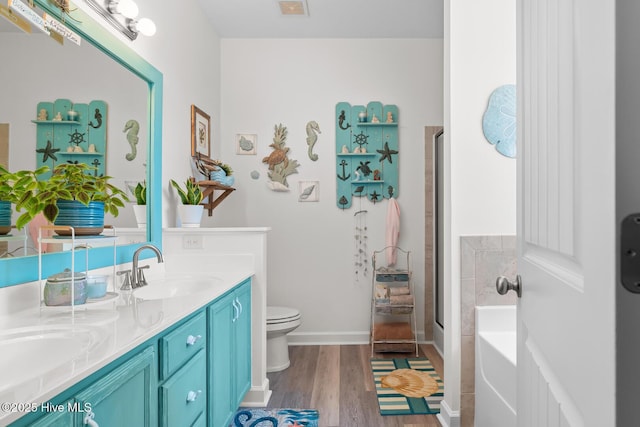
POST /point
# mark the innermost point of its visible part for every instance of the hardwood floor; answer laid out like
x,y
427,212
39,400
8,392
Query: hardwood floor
x,y
336,380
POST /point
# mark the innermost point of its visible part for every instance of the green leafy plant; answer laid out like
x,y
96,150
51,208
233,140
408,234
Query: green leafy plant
x,y
68,181
191,194
16,187
225,167
141,193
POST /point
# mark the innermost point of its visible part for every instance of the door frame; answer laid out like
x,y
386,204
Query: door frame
x,y
430,266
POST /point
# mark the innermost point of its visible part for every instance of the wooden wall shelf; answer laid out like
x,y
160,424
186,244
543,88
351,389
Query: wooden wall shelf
x,y
210,202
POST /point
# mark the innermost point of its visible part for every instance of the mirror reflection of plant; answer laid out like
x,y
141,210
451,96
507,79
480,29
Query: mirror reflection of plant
x,y
75,182
141,193
16,187
190,194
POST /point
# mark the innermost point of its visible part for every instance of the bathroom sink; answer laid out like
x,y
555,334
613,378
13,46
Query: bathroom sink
x,y
176,286
32,352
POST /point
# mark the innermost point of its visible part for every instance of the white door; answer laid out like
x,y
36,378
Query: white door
x,y
566,222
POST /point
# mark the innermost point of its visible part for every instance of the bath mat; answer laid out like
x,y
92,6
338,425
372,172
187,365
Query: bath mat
x,y
407,386
254,417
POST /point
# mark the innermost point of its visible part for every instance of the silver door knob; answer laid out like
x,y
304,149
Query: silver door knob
x,y
503,285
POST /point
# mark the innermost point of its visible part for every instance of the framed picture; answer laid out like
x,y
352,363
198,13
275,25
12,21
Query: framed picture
x,y
200,133
246,143
308,191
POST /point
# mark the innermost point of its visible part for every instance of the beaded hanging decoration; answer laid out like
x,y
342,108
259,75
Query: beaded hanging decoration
x,y
360,245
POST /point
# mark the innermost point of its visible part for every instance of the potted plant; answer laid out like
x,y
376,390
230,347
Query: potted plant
x,y
140,208
222,173
215,170
7,197
73,196
13,187
190,209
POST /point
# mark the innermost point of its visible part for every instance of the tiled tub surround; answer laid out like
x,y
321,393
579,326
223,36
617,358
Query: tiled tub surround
x,y
116,330
482,260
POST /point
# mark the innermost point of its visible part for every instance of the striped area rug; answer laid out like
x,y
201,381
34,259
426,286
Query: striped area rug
x,y
393,402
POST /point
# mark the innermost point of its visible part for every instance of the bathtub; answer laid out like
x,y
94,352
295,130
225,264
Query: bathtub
x,y
495,375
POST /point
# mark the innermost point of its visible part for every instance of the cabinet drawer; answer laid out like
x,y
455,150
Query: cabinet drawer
x,y
181,344
184,396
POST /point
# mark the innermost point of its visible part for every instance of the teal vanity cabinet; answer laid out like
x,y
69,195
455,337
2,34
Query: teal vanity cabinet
x,y
56,419
183,365
126,396
194,373
229,354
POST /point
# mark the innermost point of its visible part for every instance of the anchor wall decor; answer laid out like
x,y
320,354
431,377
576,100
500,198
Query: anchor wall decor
x,y
68,132
366,152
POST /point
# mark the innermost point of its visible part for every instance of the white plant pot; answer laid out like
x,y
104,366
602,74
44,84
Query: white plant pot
x,y
190,215
140,212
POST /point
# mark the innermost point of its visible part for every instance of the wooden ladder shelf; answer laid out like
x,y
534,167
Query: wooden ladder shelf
x,y
208,190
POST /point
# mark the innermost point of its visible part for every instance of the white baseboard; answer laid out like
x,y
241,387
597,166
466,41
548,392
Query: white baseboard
x,y
335,338
257,397
438,337
448,417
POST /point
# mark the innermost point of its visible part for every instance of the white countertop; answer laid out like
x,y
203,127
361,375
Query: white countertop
x,y
116,327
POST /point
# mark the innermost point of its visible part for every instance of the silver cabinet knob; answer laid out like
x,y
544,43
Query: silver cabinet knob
x,y
503,285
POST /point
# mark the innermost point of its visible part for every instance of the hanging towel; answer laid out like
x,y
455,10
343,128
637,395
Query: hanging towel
x,y
393,230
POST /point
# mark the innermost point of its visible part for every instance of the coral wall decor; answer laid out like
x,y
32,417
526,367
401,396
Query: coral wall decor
x,y
280,166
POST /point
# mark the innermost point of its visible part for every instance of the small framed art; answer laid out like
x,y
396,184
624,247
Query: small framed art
x,y
246,143
200,133
308,191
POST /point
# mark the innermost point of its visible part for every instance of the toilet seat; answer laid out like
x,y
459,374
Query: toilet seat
x,y
278,315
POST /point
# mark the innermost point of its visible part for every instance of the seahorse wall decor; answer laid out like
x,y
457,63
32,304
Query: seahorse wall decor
x,y
132,127
280,166
313,129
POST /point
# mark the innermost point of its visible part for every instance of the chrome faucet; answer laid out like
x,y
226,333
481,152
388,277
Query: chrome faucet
x,y
134,278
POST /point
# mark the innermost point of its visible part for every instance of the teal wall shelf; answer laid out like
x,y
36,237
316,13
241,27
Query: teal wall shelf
x,y
60,141
355,170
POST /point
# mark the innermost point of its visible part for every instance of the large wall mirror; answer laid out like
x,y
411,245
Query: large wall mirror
x,y
36,68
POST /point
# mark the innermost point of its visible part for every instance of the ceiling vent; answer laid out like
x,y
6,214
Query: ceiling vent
x,y
293,7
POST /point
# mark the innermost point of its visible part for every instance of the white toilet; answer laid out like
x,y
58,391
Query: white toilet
x,y
280,321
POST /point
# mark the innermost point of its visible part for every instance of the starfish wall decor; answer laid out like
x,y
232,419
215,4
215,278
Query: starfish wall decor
x,y
68,132
367,152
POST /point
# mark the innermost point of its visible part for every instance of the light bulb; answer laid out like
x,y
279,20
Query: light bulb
x,y
146,27
126,8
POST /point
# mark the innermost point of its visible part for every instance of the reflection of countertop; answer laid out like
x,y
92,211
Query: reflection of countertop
x,y
117,326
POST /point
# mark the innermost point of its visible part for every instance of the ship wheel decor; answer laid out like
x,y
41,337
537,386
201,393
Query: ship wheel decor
x,y
68,132
366,152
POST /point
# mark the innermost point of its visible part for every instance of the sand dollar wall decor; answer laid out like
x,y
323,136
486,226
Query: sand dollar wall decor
x,y
499,120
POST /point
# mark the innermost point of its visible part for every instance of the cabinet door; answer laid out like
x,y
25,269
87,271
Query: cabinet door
x,y
221,354
125,397
64,418
242,345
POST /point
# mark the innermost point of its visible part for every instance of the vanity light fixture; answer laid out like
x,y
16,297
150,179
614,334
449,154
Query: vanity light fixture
x,y
121,14
126,8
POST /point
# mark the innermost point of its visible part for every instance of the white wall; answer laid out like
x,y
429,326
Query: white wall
x,y
186,50
311,245
480,55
